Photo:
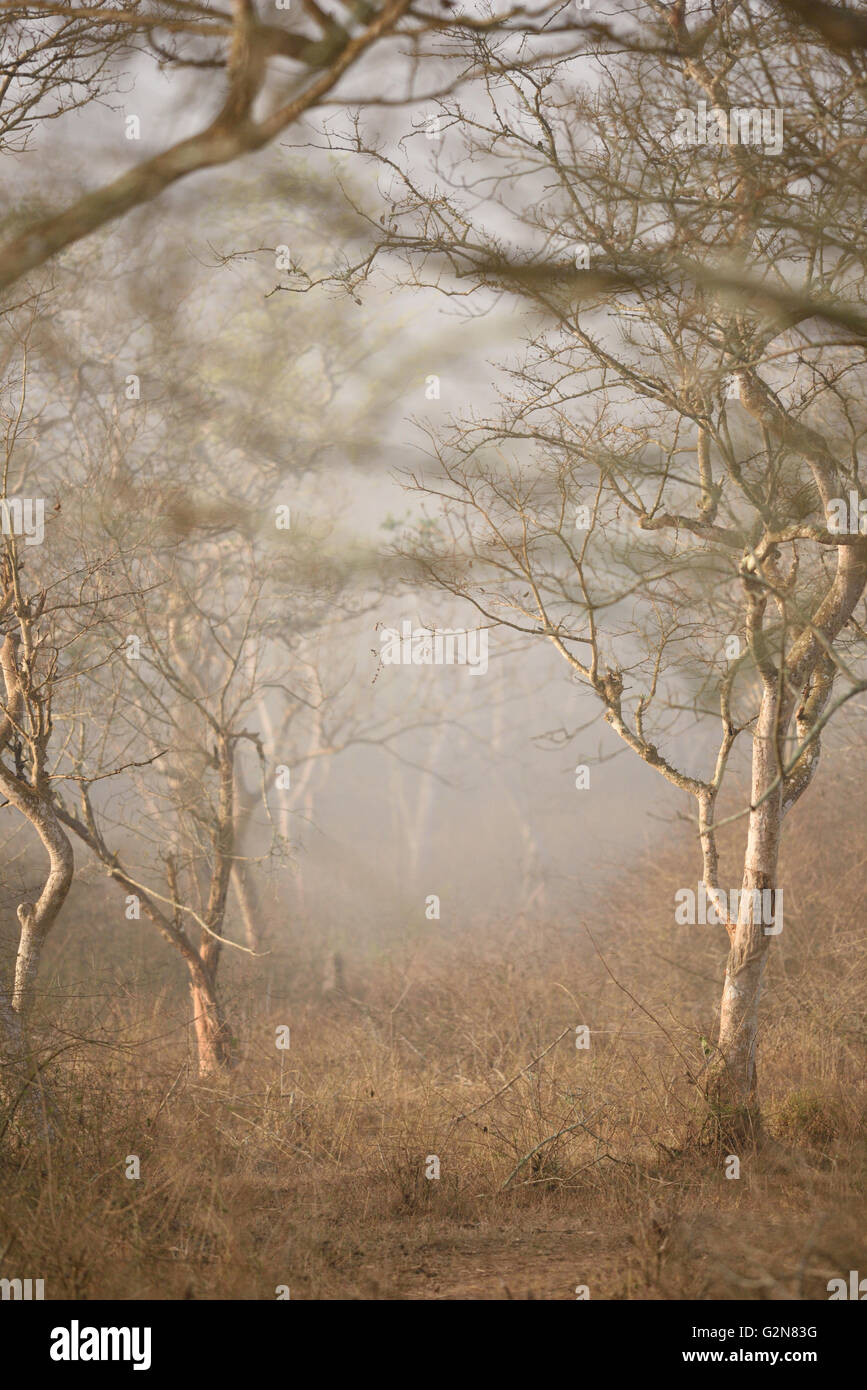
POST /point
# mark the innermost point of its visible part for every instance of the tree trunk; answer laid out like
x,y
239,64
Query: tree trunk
x,y
733,1085
37,919
212,1035
213,1043
34,803
248,903
27,1107
13,1054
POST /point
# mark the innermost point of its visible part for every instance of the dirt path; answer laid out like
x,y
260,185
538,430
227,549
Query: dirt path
x,y
495,1263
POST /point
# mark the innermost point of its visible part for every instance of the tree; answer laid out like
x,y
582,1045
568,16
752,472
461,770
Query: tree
x,y
260,101
203,678
189,671
670,495
48,612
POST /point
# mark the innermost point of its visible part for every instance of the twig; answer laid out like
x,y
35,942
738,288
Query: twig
x,y
579,1124
516,1077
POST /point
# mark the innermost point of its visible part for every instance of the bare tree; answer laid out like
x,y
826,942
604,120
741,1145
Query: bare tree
x,y
260,100
187,673
660,497
46,623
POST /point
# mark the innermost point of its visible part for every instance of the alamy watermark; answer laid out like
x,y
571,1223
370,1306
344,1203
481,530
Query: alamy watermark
x,y
855,1289
847,517
23,516
421,646
28,1290
77,1343
742,125
712,908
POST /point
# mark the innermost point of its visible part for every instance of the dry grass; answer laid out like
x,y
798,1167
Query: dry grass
x,y
583,1169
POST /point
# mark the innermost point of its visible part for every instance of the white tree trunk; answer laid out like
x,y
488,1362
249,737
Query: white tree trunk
x,y
735,1079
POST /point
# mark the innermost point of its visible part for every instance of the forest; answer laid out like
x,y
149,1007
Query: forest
x,y
433,560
